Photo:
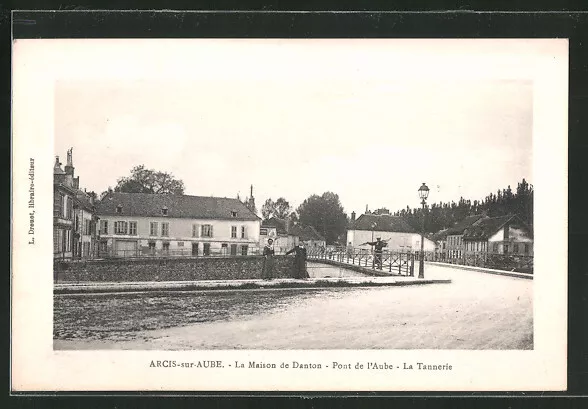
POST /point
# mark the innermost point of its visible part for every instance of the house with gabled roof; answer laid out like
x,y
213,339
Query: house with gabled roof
x,y
136,224
454,244
311,238
499,235
398,233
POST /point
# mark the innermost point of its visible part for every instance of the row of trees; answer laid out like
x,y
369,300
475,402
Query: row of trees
x,y
445,214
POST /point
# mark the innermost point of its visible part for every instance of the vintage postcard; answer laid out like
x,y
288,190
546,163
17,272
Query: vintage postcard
x,y
289,215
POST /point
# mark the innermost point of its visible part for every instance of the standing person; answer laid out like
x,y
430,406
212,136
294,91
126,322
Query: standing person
x,y
378,246
268,260
299,261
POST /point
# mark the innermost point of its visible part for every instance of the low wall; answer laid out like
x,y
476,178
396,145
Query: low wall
x,y
483,270
171,269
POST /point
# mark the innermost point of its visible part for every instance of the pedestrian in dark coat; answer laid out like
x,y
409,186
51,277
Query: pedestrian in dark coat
x,y
299,261
378,246
268,261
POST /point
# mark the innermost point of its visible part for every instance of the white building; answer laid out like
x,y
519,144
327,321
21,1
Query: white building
x,y
134,224
279,231
399,235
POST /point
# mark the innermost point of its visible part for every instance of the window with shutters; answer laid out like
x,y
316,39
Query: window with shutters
x,y
194,230
69,208
165,229
103,226
153,229
133,228
206,230
58,205
120,227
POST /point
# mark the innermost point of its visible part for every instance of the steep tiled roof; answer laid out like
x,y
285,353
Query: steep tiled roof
x,y
296,229
178,206
306,232
486,227
382,222
459,227
84,200
440,235
279,224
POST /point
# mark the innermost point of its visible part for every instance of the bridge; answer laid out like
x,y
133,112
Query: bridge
x,y
389,263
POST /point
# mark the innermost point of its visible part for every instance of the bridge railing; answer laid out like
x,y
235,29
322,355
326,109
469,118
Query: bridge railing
x,y
392,262
402,262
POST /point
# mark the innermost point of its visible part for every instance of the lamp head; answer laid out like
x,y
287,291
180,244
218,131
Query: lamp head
x,y
423,192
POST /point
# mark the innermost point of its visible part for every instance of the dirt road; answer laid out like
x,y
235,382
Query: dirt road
x,y
476,311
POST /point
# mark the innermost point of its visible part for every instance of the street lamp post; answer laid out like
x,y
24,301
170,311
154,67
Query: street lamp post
x,y
423,194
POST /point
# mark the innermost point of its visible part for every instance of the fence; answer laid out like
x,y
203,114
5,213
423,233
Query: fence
x,y
402,262
389,261
507,262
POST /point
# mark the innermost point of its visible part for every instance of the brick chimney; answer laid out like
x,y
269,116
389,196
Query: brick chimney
x,y
352,216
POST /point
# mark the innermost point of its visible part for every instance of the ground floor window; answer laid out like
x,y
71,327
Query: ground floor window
x,y
166,246
244,250
206,249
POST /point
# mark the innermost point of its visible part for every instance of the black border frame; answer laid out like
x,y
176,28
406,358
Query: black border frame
x,y
270,23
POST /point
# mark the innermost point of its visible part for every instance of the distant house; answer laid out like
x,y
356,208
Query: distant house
x,y
499,235
311,238
279,230
139,223
454,243
85,226
394,229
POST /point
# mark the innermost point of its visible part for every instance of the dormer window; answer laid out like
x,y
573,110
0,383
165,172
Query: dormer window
x,y
234,213
164,211
119,209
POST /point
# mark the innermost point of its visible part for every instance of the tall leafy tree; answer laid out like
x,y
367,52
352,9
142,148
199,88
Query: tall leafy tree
x,y
280,208
325,214
267,210
144,180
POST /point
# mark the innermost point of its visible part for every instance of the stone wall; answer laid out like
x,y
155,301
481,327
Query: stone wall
x,y
170,269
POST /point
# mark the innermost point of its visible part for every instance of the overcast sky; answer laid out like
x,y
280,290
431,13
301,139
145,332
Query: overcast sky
x,y
372,139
